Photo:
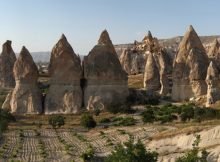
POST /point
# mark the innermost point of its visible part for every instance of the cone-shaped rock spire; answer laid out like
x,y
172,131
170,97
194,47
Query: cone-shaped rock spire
x,y
212,80
106,80
151,75
65,94
190,67
7,60
26,96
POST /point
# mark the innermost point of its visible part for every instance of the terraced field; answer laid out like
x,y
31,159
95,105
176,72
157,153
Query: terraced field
x,y
65,145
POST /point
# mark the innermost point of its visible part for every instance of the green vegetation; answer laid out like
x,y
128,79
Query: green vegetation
x,y
104,120
87,121
56,121
192,155
120,108
5,118
186,112
124,121
88,155
131,151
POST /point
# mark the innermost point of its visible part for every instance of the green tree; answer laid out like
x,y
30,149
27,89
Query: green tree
x,y
131,152
56,121
87,121
192,155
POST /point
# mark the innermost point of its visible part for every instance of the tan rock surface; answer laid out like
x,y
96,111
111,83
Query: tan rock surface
x,y
106,81
151,75
213,82
65,94
26,96
190,68
7,60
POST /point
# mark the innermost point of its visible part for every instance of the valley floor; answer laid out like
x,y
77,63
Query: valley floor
x,y
27,142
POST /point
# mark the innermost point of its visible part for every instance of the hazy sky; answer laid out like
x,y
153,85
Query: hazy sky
x,y
38,24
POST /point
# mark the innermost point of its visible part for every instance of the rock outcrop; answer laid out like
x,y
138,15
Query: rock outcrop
x,y
214,53
106,81
133,60
213,82
151,75
25,97
190,68
65,94
7,60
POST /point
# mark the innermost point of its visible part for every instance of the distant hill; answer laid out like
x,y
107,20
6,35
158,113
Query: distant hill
x,y
43,56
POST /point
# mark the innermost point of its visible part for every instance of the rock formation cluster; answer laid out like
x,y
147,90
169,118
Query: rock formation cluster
x,y
96,83
101,80
25,97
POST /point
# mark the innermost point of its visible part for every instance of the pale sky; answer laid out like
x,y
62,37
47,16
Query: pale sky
x,y
38,24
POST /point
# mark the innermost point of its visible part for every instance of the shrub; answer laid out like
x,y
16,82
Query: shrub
x,y
131,152
5,118
105,120
192,155
88,121
56,121
126,121
148,116
187,112
88,155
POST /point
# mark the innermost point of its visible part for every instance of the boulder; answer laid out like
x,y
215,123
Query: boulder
x,y
151,75
106,81
190,68
65,93
7,60
26,96
213,83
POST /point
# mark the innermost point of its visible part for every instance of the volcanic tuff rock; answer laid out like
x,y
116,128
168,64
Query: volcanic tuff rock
x,y
214,53
190,68
7,60
65,94
106,81
151,75
213,82
133,60
132,63
26,96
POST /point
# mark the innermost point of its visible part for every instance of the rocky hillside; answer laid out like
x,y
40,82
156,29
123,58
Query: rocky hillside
x,y
171,44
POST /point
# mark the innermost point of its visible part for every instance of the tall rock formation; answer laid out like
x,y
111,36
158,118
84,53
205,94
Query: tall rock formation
x,y
26,96
214,53
213,82
106,81
151,75
126,61
190,68
164,70
7,60
65,94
